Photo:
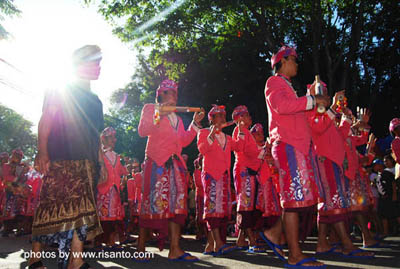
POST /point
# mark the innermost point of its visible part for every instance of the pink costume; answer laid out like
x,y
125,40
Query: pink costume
x,y
291,138
246,169
396,148
135,193
15,203
216,176
164,195
199,195
109,206
329,147
357,189
35,181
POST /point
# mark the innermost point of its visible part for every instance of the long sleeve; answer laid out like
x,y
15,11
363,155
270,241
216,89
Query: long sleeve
x,y
203,143
396,149
344,126
319,123
283,101
360,139
187,136
146,125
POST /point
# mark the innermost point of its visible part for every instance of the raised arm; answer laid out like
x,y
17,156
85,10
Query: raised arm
x,y
146,125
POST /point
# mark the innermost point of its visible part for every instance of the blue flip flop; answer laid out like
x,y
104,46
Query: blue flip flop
x,y
332,250
182,258
352,254
303,261
225,249
273,246
242,248
256,249
378,245
208,253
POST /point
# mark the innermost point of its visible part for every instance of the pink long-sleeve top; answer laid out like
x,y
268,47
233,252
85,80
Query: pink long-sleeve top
x,y
134,186
327,137
114,173
286,114
248,153
396,149
351,142
166,138
198,183
216,157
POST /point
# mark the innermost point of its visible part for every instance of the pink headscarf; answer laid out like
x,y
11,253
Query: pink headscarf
x,y
239,111
394,123
215,110
4,155
109,131
284,51
257,128
18,152
167,85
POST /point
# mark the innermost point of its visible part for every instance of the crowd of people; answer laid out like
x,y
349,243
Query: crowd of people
x,y
309,171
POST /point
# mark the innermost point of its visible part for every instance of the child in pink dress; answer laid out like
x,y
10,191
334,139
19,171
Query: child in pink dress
x,y
268,195
199,197
109,206
164,189
216,147
247,165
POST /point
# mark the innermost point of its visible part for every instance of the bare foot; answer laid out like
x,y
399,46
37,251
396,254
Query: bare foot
x,y
294,260
356,252
176,253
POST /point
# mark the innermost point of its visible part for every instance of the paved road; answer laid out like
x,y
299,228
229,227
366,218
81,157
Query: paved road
x,y
12,251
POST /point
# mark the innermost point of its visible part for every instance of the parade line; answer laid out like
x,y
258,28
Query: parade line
x,y
89,255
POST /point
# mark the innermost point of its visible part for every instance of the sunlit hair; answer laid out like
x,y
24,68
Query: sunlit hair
x,y
87,53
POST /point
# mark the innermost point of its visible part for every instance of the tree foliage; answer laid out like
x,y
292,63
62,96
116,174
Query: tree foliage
x,y
7,8
219,50
15,132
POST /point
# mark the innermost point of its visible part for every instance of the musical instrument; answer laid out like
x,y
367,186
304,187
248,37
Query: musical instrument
x,y
341,103
184,109
318,90
226,124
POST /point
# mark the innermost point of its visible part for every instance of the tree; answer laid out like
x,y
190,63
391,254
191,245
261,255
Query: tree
x,y
15,132
7,8
219,50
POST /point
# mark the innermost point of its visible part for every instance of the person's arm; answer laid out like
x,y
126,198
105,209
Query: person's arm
x,y
45,124
283,102
205,141
146,125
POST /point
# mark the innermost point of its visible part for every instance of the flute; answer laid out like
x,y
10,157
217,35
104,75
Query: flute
x,y
226,124
180,109
158,108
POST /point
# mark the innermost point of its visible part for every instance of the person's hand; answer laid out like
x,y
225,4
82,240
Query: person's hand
x,y
371,143
322,100
43,162
336,98
198,116
365,115
312,88
240,125
347,111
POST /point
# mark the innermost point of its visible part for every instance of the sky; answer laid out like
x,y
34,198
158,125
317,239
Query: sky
x,y
43,39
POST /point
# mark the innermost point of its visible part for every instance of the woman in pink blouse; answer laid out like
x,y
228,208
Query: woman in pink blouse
x,y
164,189
292,149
